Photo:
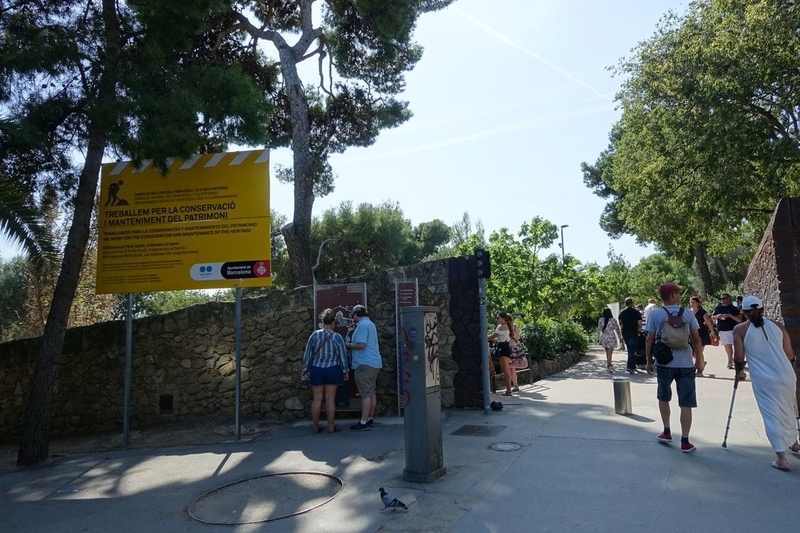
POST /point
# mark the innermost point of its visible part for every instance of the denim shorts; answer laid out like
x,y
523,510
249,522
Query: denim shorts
x,y
319,376
684,383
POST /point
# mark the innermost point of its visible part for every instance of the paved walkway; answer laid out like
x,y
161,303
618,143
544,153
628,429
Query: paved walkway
x,y
580,467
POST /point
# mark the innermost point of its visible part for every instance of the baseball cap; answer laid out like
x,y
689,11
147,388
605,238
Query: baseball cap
x,y
668,288
751,302
359,310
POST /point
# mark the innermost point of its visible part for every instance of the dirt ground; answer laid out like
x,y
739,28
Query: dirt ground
x,y
181,432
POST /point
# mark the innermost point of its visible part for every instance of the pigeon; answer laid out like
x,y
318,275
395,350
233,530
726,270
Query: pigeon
x,y
391,501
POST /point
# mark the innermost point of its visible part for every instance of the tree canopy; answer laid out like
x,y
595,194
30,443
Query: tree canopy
x,y
708,138
363,49
20,220
141,80
366,238
531,287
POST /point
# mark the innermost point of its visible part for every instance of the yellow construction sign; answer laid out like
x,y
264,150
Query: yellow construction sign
x,y
203,225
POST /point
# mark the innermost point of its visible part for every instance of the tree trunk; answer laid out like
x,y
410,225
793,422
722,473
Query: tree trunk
x,y
702,267
298,235
35,441
723,268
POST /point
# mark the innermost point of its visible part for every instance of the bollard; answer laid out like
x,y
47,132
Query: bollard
x,y
622,396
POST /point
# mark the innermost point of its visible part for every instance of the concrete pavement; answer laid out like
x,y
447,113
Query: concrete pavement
x,y
579,467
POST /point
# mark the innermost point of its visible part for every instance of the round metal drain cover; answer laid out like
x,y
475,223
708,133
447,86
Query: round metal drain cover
x,y
505,446
265,498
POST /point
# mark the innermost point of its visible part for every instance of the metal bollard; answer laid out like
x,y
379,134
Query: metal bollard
x,y
622,396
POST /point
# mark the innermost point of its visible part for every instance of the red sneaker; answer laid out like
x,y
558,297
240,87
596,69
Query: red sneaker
x,y
664,437
687,447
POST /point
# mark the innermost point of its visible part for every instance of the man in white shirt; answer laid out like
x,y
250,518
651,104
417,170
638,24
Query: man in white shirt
x,y
651,304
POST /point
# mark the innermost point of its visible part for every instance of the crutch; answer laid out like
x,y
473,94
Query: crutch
x,y
730,411
797,419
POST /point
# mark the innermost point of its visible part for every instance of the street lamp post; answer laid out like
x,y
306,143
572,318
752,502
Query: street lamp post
x,y
561,244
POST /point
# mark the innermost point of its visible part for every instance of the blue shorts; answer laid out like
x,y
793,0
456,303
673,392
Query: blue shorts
x,y
319,376
684,383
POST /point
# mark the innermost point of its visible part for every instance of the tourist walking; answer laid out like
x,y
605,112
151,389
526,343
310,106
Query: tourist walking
x,y
651,304
607,332
630,321
727,316
680,368
706,327
768,350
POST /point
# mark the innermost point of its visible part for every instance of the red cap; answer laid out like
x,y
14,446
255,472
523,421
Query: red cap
x,y
668,288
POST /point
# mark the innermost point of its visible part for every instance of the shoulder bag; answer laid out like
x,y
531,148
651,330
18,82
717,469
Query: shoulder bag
x,y
304,377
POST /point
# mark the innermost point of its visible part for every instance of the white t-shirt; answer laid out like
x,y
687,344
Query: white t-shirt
x,y
503,335
647,310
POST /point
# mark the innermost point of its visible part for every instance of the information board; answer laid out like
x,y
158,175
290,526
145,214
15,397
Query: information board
x,y
203,225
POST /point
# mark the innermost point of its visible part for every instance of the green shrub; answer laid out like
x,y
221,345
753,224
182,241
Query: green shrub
x,y
548,338
571,337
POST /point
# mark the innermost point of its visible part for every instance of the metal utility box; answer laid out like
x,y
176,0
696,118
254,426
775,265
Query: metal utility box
x,y
423,397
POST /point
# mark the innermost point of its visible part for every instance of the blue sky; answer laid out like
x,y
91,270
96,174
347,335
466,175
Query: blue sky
x,y
508,100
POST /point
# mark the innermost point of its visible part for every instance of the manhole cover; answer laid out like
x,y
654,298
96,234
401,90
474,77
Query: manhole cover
x,y
478,431
265,498
505,446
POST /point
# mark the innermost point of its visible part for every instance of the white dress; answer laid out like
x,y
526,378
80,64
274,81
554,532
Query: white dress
x,y
607,338
773,380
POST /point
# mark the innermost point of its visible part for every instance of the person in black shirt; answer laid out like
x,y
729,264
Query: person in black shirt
x,y
727,316
630,321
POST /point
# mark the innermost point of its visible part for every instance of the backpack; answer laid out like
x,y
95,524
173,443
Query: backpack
x,y
676,330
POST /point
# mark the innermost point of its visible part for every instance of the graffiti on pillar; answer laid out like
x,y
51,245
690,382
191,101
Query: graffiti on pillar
x,y
431,350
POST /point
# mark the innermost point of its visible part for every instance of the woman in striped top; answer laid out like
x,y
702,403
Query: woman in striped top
x,y
325,364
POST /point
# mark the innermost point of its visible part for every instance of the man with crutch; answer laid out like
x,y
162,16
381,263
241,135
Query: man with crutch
x,y
677,363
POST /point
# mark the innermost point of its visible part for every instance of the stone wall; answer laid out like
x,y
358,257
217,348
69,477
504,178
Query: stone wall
x,y
184,362
774,273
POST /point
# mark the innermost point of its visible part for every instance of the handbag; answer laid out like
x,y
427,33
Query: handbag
x,y
715,341
518,362
662,353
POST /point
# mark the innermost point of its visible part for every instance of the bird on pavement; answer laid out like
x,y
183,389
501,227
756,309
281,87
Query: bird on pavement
x,y
390,501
